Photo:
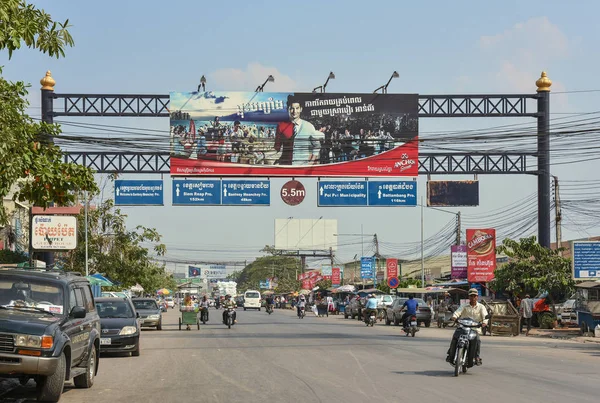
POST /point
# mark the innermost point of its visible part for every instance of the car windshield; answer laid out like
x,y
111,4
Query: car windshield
x,y
148,304
252,295
114,309
32,295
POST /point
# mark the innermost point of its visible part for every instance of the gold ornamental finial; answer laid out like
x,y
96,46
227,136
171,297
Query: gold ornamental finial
x,y
48,82
543,83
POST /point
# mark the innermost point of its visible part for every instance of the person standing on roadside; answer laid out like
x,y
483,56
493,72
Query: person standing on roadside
x,y
526,311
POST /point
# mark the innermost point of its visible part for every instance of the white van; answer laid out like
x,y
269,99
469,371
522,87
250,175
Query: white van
x,y
252,300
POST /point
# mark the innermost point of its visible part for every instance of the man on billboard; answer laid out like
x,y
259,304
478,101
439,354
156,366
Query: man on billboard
x,y
297,140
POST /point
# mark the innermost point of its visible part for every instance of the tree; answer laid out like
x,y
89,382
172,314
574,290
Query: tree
x,y
323,284
284,268
118,252
286,285
9,257
32,167
533,268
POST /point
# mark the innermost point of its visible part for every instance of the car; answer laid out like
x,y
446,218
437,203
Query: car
x,y
49,330
114,294
120,328
385,301
394,313
252,300
150,313
170,302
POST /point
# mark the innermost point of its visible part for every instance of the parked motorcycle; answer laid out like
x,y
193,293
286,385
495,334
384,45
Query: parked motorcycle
x,y
466,345
229,317
411,326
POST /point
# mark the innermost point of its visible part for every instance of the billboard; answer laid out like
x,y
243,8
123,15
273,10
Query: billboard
x,y
305,234
293,134
453,193
53,232
392,267
458,259
481,255
585,259
211,272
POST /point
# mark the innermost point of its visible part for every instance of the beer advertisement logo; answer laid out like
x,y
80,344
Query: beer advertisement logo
x,y
481,243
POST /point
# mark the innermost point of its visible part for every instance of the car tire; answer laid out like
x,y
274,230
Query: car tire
x,y
136,352
258,309
396,321
159,326
49,388
86,380
244,308
387,320
427,324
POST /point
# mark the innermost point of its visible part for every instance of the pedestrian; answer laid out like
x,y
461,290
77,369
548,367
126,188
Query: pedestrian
x,y
526,310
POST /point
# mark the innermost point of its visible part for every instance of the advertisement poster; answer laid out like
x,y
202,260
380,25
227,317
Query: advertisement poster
x,y
293,134
54,232
336,277
458,255
481,255
392,267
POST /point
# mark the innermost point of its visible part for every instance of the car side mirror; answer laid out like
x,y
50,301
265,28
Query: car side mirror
x,y
137,315
78,312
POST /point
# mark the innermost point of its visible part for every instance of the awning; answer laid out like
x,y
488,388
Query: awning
x,y
588,284
101,281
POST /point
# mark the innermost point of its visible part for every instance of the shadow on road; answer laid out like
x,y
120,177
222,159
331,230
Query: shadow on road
x,y
426,373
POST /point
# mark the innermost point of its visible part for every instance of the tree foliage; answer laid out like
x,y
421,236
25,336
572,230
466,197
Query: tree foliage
x,y
532,268
24,23
10,257
284,268
32,168
118,252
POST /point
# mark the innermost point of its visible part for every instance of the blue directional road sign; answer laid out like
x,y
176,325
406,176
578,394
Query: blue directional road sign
x,y
393,193
194,192
342,194
366,267
139,193
586,260
246,192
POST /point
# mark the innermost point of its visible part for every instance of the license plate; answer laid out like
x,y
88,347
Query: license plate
x,y
413,323
105,341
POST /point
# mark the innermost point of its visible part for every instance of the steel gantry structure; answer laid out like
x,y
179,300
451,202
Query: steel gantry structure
x,y
535,105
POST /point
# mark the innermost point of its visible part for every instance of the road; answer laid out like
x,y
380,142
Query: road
x,y
282,358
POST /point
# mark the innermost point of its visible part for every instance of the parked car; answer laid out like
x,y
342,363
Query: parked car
x,y
150,313
394,314
49,330
120,326
170,302
354,308
114,294
385,301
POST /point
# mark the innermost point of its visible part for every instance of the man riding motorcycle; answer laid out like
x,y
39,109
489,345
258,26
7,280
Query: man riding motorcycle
x,y
269,302
204,304
475,311
411,306
301,304
370,307
229,303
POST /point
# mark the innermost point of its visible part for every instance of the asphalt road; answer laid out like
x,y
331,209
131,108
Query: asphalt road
x,y
281,358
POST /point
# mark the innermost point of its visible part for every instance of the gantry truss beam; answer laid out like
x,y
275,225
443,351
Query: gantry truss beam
x,y
429,163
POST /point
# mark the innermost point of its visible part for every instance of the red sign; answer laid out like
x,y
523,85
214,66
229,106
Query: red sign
x,y
393,282
293,192
335,276
481,255
306,285
392,267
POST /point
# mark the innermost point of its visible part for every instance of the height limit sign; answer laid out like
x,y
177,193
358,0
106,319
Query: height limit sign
x,y
293,193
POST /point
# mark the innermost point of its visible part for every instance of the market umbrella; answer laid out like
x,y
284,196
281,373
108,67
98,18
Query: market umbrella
x,y
102,282
137,288
346,288
304,292
268,292
163,291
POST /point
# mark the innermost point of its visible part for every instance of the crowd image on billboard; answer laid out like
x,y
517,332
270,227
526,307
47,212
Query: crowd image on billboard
x,y
289,129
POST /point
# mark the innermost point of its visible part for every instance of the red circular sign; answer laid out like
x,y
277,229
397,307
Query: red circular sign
x,y
293,192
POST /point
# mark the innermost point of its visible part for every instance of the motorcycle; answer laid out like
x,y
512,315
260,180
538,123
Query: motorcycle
x,y
204,315
466,345
301,313
371,320
269,309
229,317
411,326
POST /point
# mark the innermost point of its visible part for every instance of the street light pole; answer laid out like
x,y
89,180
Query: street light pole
x,y
87,271
422,248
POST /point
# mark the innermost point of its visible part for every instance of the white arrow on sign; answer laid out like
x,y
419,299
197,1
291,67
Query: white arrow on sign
x,y
225,191
321,190
118,191
177,190
379,194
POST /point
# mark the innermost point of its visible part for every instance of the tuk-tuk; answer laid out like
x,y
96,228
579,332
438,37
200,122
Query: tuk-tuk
x,y
587,306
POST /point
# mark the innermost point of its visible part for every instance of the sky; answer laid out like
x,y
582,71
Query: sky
x,y
460,47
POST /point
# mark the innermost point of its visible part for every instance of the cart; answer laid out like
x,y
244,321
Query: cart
x,y
504,319
189,317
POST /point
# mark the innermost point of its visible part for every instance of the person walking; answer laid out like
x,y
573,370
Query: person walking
x,y
526,310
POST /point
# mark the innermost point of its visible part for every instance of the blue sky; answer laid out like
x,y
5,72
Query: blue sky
x,y
436,47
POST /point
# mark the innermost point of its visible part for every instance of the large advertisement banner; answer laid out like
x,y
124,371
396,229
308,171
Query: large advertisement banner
x,y
481,255
392,267
293,134
458,255
336,277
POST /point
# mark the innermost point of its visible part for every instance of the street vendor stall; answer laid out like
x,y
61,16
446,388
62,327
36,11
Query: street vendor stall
x,y
504,318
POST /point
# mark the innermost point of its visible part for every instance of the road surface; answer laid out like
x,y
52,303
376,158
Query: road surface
x,y
282,358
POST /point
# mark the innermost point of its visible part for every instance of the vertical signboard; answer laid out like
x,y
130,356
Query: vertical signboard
x,y
392,267
481,255
366,267
336,277
458,255
586,260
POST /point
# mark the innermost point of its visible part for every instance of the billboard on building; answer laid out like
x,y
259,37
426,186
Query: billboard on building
x,y
293,134
481,255
305,234
453,193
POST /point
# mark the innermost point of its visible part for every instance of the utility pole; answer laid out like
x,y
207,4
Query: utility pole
x,y
87,270
47,117
422,248
458,228
543,153
558,219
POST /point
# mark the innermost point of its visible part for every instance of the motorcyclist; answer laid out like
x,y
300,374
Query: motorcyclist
x,y
370,307
229,303
301,303
411,306
204,304
269,302
475,311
